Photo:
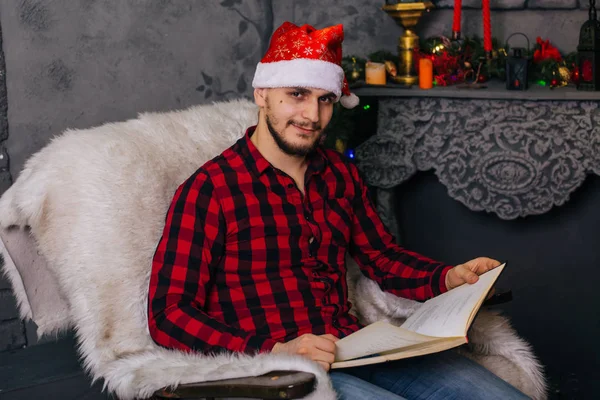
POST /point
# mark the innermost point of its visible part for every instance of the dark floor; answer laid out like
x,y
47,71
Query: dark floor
x,y
47,371
52,371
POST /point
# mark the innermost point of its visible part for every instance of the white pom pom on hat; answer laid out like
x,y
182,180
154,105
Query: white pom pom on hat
x,y
350,101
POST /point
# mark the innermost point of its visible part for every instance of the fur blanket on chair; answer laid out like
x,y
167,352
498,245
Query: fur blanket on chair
x,y
95,202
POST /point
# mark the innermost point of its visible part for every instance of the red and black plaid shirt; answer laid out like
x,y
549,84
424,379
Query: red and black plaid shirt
x,y
246,260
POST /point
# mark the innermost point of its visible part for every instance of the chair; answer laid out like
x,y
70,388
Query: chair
x,y
85,216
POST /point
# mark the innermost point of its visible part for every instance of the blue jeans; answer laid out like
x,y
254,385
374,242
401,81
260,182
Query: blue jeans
x,y
445,375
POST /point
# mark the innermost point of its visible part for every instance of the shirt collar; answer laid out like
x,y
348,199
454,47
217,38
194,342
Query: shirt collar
x,y
251,155
255,160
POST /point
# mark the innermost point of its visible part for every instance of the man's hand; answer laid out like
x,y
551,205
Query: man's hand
x,y
317,348
469,272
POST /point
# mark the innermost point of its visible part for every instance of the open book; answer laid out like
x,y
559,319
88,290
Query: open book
x,y
441,323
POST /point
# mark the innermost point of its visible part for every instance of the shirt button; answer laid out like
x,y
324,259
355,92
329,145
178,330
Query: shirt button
x,y
312,239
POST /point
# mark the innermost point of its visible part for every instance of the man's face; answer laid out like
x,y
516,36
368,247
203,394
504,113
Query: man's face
x,y
296,117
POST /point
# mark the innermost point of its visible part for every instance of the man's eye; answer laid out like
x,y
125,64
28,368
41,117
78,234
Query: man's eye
x,y
326,99
296,94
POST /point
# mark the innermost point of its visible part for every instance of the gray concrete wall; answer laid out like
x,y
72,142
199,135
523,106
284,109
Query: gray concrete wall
x,y
81,63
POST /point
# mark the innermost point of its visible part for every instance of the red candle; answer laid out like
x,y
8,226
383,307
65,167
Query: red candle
x,y
487,26
457,11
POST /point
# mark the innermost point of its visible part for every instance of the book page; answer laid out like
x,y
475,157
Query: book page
x,y
450,314
376,338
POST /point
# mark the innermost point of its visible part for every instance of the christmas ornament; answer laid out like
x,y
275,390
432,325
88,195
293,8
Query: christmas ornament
x,y
340,146
390,68
564,73
355,74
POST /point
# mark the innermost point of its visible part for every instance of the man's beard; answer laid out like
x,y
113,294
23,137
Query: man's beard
x,y
289,148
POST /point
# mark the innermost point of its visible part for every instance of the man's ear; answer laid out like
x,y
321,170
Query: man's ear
x,y
260,97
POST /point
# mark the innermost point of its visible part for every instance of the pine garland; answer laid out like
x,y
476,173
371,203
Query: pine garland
x,y
459,61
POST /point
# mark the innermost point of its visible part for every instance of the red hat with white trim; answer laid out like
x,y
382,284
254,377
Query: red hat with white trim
x,y
305,57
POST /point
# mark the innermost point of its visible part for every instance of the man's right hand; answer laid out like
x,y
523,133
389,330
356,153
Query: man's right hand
x,y
317,348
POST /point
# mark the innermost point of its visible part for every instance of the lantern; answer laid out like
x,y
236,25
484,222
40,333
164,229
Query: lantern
x,y
588,52
517,65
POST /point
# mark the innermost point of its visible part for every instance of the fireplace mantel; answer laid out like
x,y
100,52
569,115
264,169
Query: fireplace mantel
x,y
510,153
491,90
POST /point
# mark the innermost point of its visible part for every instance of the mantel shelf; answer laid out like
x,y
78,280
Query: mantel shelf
x,y
494,90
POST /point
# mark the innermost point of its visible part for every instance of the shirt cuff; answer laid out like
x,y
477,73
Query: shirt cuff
x,y
438,280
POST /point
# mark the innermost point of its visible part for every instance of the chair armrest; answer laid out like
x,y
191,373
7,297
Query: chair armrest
x,y
274,385
499,297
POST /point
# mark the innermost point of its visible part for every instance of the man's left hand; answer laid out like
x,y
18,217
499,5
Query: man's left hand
x,y
469,272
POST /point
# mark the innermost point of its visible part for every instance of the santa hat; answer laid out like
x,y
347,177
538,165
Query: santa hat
x,y
305,57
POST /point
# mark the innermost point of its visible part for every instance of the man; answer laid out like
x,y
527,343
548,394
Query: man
x,y
252,257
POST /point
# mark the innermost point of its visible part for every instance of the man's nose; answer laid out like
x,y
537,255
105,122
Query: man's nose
x,y
311,111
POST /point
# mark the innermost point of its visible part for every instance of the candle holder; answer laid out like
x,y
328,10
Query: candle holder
x,y
407,15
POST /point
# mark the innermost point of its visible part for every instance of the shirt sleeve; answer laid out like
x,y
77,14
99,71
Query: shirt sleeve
x,y
186,257
395,269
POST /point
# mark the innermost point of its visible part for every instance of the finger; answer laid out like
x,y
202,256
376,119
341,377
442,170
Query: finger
x,y
484,264
466,275
453,278
327,345
323,356
315,354
482,267
329,336
324,365
477,266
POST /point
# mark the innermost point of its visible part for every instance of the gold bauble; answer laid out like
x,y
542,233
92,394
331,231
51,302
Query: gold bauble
x,y
355,74
565,74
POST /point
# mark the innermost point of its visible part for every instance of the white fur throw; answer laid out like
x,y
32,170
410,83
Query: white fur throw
x,y
96,200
